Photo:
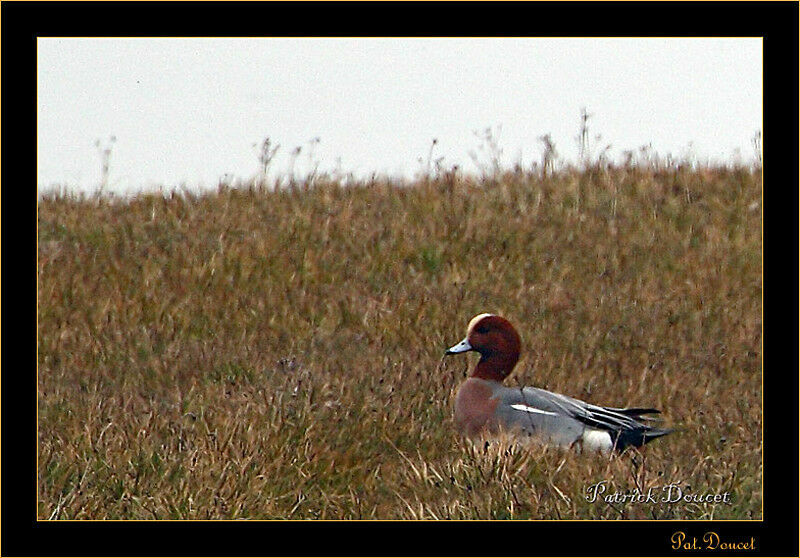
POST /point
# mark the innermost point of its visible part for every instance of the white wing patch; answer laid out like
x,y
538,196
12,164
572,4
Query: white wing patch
x,y
597,440
527,409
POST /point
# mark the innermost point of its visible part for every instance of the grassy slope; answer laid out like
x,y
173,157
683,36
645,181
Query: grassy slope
x,y
278,355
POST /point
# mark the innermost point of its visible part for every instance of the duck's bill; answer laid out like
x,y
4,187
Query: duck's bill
x,y
461,347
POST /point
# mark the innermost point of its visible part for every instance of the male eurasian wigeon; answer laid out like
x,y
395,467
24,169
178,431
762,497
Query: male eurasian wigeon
x,y
484,404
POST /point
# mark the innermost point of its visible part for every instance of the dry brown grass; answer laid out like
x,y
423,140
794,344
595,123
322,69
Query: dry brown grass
x,y
259,354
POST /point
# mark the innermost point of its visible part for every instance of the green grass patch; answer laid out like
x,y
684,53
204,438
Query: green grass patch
x,y
259,354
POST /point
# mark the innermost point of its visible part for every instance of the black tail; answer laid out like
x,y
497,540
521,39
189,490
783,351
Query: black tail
x,y
654,433
636,412
639,437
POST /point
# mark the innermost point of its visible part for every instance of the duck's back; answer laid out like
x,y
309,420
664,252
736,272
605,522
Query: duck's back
x,y
566,420
488,406
537,412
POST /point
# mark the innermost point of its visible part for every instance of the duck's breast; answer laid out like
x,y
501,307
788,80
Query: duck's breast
x,y
475,406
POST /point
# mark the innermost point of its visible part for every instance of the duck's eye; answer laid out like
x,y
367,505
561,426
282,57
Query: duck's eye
x,y
482,329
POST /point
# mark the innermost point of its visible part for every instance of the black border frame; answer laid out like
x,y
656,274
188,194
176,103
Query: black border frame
x,y
22,22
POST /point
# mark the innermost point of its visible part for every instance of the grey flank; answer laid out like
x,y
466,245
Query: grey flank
x,y
563,419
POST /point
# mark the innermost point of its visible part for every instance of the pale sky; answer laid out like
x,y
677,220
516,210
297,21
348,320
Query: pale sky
x,y
189,111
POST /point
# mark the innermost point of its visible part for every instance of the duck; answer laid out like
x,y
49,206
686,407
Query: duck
x,y
484,406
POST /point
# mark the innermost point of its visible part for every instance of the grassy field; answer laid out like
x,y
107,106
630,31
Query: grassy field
x,y
278,355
